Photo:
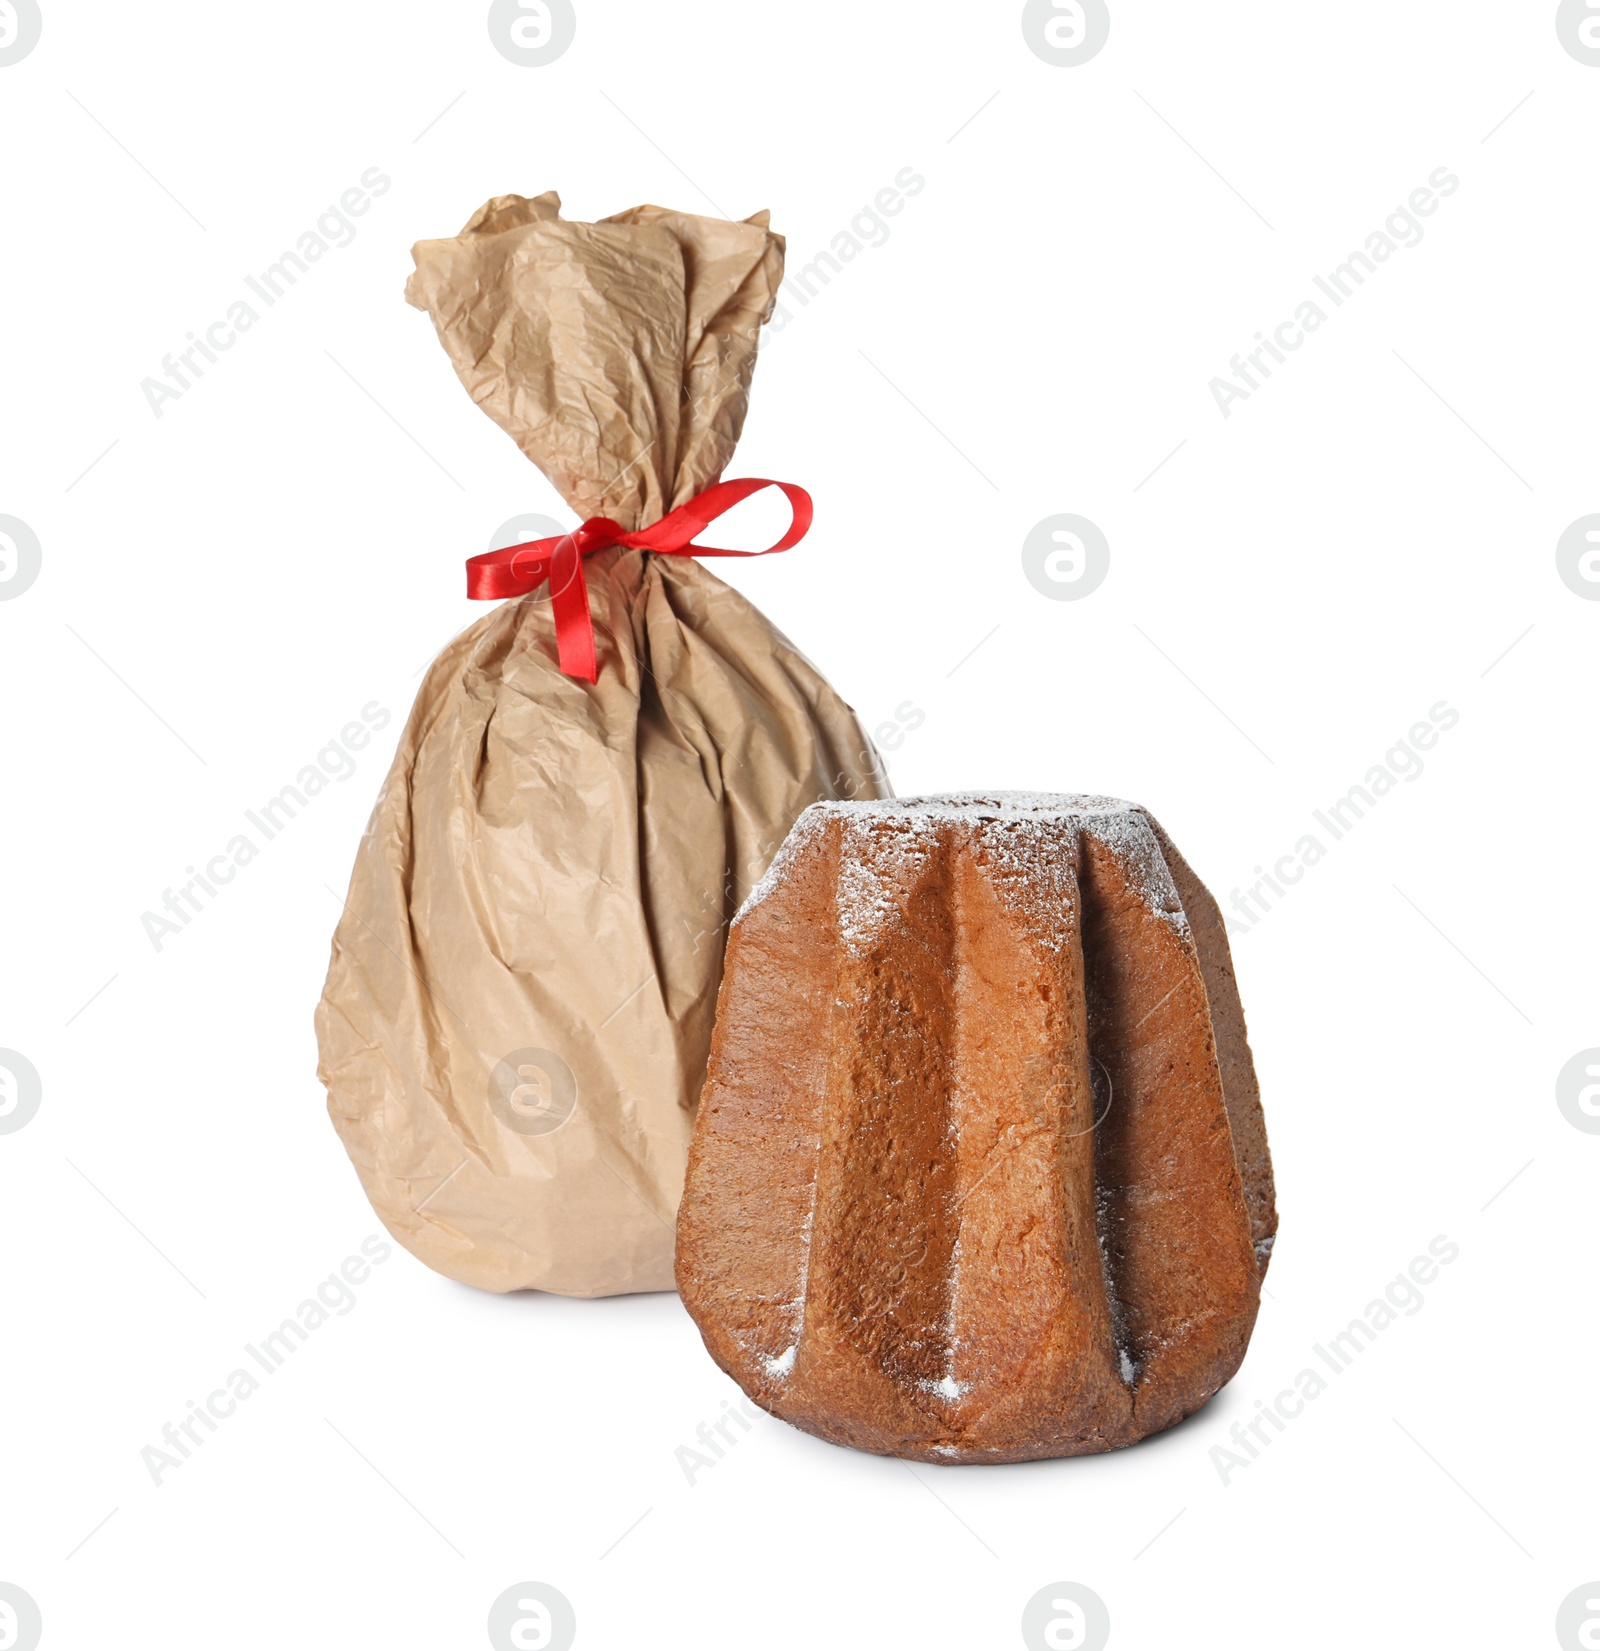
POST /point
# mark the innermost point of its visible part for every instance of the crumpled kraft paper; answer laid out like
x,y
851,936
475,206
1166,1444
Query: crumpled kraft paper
x,y
515,1024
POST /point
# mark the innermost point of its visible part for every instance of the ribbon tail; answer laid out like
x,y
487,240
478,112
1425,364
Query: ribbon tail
x,y
569,601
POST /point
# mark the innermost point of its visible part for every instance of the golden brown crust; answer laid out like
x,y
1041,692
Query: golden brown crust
x,y
964,1182
1245,1118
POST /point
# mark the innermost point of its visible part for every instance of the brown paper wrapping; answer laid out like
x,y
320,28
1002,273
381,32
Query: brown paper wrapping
x,y
515,1024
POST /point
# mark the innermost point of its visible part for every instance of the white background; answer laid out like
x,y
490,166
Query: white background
x,y
1288,593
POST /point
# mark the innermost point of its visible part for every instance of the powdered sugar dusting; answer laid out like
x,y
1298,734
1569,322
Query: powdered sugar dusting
x,y
794,845
947,1387
1027,821
981,805
1137,850
779,1366
874,870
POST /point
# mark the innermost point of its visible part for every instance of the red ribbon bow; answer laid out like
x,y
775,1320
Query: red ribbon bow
x,y
519,569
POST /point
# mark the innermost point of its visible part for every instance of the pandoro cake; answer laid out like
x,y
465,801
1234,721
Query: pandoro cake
x,y
979,1172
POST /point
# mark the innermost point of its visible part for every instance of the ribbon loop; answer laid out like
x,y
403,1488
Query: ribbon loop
x,y
519,569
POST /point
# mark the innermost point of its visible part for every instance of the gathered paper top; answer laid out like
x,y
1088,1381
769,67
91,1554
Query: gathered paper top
x,y
617,355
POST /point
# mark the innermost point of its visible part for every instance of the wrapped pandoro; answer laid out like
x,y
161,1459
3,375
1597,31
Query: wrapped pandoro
x,y
517,1014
